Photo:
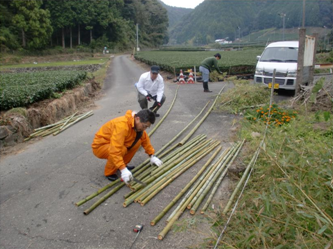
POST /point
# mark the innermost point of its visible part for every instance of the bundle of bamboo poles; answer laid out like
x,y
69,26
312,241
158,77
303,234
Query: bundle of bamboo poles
x,y
207,179
144,168
59,126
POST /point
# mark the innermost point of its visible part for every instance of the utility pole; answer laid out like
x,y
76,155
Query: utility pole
x,y
137,37
283,15
239,38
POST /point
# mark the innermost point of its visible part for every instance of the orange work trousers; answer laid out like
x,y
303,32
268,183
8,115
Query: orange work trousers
x,y
102,152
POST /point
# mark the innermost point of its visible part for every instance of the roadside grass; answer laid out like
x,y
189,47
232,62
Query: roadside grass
x,y
288,202
59,63
100,74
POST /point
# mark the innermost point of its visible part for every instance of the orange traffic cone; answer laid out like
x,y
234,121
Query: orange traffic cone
x,y
190,78
181,78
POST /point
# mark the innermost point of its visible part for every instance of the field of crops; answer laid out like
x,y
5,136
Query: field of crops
x,y
22,89
232,62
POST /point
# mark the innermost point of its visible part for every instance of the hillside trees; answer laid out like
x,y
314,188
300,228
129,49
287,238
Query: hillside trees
x,y
37,24
32,22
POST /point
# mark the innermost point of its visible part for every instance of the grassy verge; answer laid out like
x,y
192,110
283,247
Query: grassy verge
x,y
100,74
287,202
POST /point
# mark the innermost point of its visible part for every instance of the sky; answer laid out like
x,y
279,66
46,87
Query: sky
x,y
183,3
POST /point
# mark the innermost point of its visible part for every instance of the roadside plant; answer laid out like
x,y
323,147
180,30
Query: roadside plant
x,y
276,116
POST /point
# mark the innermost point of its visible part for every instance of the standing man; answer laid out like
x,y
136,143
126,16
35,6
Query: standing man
x,y
206,66
119,139
151,87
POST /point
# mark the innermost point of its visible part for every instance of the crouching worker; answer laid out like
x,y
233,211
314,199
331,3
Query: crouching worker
x,y
118,140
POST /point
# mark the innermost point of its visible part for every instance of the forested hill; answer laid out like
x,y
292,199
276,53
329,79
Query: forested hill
x,y
175,14
216,19
40,24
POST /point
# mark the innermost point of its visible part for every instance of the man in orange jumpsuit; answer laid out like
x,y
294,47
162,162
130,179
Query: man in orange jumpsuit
x,y
119,139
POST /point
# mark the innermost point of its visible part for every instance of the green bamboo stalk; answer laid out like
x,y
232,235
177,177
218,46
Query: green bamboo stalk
x,y
202,186
196,187
51,125
225,210
169,171
181,132
218,182
65,123
101,200
196,154
79,203
153,179
221,172
171,178
202,120
169,159
180,211
165,115
176,198
88,114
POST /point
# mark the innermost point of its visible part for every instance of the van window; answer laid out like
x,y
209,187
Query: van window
x,y
280,54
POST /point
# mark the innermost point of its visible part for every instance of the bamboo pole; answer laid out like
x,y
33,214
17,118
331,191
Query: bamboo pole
x,y
172,157
88,114
196,187
191,162
101,200
225,210
218,182
202,120
79,203
65,123
175,199
221,172
157,177
181,132
179,212
165,115
203,184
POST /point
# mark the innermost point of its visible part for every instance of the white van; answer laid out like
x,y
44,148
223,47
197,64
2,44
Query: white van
x,y
281,56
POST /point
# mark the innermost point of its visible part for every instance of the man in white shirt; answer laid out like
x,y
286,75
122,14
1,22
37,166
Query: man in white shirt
x,y
151,87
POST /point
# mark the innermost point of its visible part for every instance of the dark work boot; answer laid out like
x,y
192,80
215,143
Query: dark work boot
x,y
112,177
205,86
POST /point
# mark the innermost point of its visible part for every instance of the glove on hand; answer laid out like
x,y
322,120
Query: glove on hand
x,y
156,161
149,97
126,175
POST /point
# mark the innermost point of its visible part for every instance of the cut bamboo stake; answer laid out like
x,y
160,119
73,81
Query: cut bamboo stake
x,y
196,187
157,177
217,184
181,132
220,165
105,197
172,178
225,210
79,203
180,211
165,115
175,199
68,120
202,120
173,158
88,114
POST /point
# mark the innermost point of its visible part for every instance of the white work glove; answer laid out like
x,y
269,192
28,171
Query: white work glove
x,y
156,161
126,175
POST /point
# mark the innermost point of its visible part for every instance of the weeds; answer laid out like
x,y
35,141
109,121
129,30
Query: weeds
x,y
288,202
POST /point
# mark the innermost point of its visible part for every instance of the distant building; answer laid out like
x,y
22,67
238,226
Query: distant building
x,y
222,41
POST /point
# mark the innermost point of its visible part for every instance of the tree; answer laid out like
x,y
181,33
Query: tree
x,y
33,23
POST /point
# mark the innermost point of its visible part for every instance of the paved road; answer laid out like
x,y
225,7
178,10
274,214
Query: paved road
x,y
40,185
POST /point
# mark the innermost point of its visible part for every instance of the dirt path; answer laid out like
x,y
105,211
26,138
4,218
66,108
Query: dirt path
x,y
40,185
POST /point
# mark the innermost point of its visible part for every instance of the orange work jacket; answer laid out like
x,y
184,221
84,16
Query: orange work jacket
x,y
120,134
